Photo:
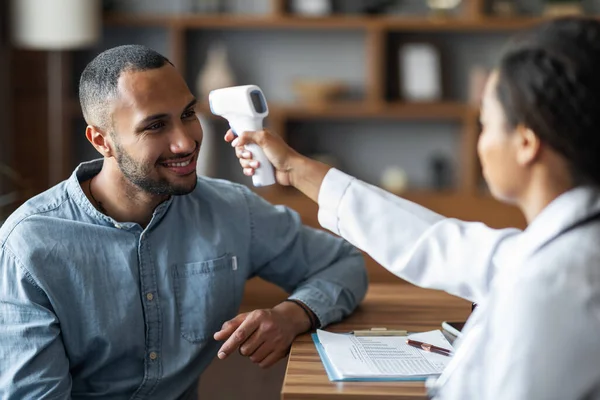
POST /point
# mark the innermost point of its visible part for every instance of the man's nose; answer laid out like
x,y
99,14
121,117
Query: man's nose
x,y
182,141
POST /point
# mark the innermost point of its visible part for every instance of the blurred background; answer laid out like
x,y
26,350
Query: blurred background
x,y
387,91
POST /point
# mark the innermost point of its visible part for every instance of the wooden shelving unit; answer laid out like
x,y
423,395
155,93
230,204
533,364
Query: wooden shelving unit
x,y
465,201
413,24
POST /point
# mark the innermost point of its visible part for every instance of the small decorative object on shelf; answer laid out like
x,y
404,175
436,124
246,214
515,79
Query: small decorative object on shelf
x,y
557,8
311,8
420,72
318,92
394,180
441,172
443,7
216,74
504,8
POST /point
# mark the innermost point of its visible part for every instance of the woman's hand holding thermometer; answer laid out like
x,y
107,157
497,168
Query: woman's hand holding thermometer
x,y
245,107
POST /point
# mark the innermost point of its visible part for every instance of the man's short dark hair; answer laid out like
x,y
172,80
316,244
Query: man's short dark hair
x,y
99,80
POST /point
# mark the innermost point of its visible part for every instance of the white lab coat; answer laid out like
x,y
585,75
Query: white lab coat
x,y
536,331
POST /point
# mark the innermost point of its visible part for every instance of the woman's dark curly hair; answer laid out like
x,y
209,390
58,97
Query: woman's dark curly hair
x,y
549,82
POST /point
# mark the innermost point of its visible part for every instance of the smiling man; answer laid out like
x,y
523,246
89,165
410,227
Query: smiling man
x,y
124,281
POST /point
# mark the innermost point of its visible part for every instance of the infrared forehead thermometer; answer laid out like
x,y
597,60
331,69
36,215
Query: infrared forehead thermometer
x,y
245,107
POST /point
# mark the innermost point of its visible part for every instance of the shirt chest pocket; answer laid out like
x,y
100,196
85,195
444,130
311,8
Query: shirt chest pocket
x,y
205,296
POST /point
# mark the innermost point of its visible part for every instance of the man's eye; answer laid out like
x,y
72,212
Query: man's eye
x,y
188,114
155,126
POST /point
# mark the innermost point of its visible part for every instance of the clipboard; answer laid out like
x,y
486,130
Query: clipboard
x,y
334,377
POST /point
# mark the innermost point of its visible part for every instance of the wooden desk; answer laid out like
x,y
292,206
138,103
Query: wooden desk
x,y
394,306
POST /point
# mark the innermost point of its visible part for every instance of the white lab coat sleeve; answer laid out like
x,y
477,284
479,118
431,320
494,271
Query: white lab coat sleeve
x,y
411,241
542,341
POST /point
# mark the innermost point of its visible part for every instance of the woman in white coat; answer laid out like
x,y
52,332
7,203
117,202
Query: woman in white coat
x,y
536,331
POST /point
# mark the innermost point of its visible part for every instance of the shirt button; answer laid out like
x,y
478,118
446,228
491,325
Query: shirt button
x,y
150,296
153,356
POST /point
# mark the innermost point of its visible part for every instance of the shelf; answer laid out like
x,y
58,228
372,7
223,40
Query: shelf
x,y
452,111
459,24
203,21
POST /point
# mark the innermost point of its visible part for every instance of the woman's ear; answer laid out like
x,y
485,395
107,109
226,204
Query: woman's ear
x,y
528,146
99,139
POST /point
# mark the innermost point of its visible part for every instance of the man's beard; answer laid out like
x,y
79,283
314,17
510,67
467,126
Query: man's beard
x,y
140,175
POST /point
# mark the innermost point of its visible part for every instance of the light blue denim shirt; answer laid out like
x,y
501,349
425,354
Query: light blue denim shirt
x,y
94,308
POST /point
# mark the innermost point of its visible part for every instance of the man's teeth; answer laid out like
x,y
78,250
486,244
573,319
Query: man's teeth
x,y
180,164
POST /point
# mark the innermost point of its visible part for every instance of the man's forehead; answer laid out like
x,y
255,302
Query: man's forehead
x,y
152,86
139,82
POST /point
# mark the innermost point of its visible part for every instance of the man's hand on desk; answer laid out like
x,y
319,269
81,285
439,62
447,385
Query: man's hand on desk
x,y
264,335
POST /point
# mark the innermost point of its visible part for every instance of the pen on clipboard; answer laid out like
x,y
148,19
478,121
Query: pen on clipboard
x,y
380,332
429,347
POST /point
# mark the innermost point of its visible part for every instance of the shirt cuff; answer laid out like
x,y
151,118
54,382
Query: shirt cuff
x,y
334,186
315,323
318,303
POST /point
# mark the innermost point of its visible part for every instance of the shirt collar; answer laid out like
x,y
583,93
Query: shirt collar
x,y
567,210
88,170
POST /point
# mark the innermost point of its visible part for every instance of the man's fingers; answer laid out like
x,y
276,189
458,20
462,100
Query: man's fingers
x,y
261,353
249,347
238,337
271,359
230,326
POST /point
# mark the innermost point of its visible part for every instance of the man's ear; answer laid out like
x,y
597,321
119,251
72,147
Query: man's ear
x,y
528,146
99,139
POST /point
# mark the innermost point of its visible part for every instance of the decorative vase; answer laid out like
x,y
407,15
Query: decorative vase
x,y
443,7
216,74
420,72
504,8
312,8
394,179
